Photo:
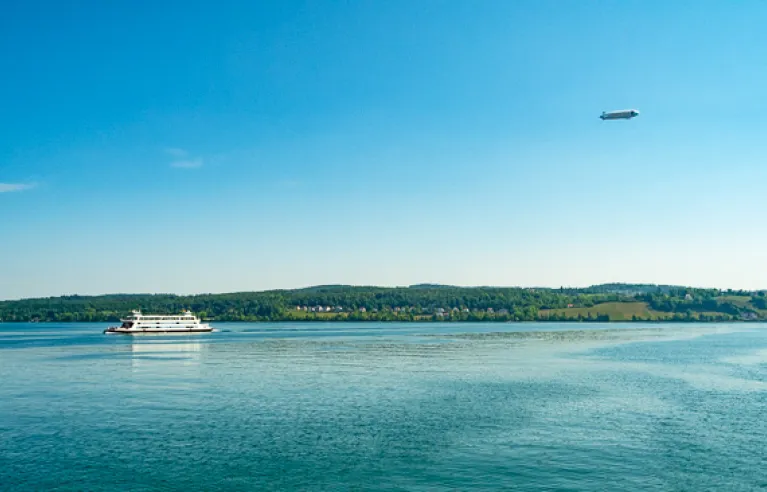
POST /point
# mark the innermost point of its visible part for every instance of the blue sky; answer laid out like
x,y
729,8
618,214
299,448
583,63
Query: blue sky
x,y
227,146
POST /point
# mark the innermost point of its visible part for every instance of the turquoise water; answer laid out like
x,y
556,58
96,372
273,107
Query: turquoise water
x,y
385,407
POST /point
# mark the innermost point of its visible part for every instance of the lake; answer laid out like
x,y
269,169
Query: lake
x,y
385,406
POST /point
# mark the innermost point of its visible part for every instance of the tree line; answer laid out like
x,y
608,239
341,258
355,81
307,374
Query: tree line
x,y
420,302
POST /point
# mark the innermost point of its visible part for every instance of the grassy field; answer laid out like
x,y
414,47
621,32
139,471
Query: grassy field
x,y
741,301
617,311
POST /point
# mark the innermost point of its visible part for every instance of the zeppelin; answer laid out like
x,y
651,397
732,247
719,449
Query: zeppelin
x,y
624,114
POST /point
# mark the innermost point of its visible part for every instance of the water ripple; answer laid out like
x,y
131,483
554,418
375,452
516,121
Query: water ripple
x,y
385,407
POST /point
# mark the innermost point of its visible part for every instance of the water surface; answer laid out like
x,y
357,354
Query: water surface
x,y
385,406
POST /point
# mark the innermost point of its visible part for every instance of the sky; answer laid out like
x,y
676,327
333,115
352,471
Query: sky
x,y
195,147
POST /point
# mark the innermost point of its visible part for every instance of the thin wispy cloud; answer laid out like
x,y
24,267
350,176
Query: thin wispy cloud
x,y
176,152
182,158
9,187
187,163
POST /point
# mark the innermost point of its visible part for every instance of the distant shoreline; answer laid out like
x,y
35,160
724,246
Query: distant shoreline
x,y
429,321
418,303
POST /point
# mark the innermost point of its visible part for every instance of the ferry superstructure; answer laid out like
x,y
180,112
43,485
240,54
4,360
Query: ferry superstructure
x,y
154,323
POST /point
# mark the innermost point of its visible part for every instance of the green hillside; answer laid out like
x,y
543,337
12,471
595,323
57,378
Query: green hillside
x,y
425,302
631,311
616,311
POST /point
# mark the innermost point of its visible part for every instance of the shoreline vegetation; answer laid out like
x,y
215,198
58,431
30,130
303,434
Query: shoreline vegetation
x,y
422,303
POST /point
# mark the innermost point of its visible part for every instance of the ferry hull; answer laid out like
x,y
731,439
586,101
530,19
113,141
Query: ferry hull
x,y
120,331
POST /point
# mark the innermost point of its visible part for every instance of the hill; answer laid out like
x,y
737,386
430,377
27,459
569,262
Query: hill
x,y
609,302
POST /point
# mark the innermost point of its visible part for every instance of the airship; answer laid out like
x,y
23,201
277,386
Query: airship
x,y
623,114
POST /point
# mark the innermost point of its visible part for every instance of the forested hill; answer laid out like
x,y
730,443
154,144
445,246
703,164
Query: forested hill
x,y
612,302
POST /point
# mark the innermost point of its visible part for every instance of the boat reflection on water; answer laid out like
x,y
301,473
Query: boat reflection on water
x,y
165,355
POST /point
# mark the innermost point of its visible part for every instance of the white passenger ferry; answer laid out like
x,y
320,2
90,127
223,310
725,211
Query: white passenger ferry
x,y
152,323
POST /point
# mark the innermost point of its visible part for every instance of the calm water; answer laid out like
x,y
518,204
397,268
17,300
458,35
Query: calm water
x,y
385,407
